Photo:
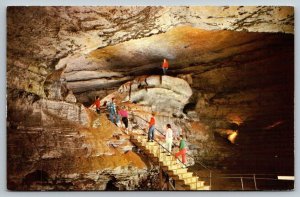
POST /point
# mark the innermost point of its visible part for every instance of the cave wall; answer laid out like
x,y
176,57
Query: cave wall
x,y
56,145
40,37
238,61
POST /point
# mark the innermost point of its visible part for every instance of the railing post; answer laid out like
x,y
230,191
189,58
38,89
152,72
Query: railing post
x,y
254,179
242,183
210,179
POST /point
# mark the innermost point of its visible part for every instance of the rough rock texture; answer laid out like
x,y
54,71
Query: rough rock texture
x,y
167,97
237,63
55,145
40,37
161,93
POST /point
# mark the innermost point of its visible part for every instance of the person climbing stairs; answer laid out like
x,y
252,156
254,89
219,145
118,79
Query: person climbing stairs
x,y
184,180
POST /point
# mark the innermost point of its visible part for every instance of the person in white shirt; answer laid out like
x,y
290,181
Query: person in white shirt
x,y
169,138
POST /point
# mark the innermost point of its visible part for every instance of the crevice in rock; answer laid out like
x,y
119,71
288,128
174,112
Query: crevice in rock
x,y
111,184
228,74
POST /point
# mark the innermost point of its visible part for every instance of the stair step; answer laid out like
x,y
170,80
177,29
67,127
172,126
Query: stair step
x,y
154,150
151,143
189,180
155,153
194,186
141,136
205,187
148,144
166,157
168,163
138,137
174,167
179,174
152,146
171,167
178,171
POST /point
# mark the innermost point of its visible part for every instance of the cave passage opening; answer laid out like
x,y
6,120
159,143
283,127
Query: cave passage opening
x,y
111,184
243,75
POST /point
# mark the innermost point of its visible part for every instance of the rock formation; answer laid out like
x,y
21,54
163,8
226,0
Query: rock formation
x,y
54,145
229,89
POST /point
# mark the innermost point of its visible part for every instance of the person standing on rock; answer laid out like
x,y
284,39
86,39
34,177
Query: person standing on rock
x,y
169,138
97,104
182,149
111,108
165,66
151,128
124,115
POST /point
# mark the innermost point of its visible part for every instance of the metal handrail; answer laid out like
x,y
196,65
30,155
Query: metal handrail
x,y
210,172
174,143
162,146
247,177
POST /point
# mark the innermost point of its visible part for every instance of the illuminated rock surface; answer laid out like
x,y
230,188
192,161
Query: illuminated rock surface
x,y
230,80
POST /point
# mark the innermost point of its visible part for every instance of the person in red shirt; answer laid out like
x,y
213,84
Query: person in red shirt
x,y
151,128
97,104
165,66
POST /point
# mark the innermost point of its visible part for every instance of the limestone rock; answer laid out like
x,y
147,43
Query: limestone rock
x,y
163,94
68,157
236,66
55,86
64,110
60,32
70,98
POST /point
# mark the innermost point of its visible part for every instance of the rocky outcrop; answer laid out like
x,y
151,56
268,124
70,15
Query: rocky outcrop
x,y
54,145
40,37
161,93
139,98
190,51
229,89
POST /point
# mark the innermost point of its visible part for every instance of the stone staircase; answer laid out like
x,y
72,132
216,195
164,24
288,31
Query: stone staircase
x,y
184,180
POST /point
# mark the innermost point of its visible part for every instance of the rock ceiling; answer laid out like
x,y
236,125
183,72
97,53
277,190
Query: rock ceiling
x,y
238,63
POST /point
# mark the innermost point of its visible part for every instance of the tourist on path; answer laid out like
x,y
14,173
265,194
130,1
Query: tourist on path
x,y
169,138
97,104
165,66
111,108
124,115
182,149
151,128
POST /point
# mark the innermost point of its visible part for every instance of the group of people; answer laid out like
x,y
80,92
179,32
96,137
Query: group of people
x,y
115,113
168,139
